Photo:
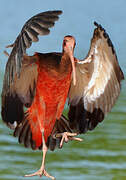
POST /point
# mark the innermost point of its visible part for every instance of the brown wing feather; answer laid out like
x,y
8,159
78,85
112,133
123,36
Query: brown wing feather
x,y
21,93
98,83
16,93
25,85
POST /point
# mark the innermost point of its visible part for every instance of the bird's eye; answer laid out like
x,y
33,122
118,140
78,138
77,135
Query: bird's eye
x,y
64,43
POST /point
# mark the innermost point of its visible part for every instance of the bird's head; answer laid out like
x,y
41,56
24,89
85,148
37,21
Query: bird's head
x,y
69,44
68,48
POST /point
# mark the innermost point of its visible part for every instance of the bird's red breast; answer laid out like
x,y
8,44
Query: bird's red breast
x,y
51,93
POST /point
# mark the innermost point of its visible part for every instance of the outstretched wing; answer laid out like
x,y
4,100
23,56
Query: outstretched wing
x,y
98,83
37,25
15,92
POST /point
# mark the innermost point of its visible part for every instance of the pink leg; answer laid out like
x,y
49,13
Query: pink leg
x,y
42,170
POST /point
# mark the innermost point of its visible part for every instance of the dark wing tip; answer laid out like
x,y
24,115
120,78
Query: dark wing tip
x,y
54,12
99,26
58,12
39,25
99,29
96,24
105,35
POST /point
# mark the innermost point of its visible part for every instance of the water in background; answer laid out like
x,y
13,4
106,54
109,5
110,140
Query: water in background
x,y
102,154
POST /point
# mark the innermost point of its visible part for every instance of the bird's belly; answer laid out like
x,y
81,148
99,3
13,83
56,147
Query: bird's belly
x,y
50,98
53,89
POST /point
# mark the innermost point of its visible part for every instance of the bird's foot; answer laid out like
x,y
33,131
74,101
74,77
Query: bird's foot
x,y
66,136
40,173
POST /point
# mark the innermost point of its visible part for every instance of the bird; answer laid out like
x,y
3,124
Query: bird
x,y
35,88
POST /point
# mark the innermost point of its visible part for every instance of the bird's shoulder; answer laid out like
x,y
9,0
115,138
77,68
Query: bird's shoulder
x,y
52,58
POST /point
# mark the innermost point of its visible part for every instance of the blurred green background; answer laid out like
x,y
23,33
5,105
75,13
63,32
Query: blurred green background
x,y
102,154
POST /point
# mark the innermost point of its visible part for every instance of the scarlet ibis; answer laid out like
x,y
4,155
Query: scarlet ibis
x,y
41,83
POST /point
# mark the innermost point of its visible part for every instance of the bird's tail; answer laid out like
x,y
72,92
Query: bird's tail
x,y
24,133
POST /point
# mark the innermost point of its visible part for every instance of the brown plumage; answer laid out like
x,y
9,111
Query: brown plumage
x,y
42,82
98,84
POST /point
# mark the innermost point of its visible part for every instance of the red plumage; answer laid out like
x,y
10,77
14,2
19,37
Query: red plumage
x,y
48,104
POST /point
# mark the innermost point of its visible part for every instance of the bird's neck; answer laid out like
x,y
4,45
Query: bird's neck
x,y
65,63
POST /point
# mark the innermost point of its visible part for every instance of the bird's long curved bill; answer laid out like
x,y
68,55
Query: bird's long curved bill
x,y
73,68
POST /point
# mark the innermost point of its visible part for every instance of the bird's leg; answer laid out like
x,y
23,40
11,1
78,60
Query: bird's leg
x,y
42,170
66,136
